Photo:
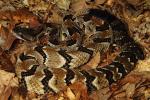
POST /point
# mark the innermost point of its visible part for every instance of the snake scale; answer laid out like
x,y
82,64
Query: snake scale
x,y
49,68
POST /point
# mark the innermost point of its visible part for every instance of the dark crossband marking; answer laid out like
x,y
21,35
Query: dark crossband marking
x,y
114,70
130,55
122,64
25,57
45,80
121,68
121,34
30,71
118,25
109,74
84,49
24,74
115,23
40,51
122,40
89,80
125,62
69,76
137,50
23,86
66,56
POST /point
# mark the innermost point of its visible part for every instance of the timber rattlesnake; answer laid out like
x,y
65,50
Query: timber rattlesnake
x,y
49,68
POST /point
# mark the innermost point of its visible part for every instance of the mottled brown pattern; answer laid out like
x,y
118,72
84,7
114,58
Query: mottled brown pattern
x,y
57,67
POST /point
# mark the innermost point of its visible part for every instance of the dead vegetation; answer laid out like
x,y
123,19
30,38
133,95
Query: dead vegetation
x,y
135,86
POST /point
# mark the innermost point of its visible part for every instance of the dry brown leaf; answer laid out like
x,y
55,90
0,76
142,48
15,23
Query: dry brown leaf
x,y
102,94
79,90
6,38
70,94
6,84
78,6
5,63
126,89
63,4
144,65
93,62
130,90
20,15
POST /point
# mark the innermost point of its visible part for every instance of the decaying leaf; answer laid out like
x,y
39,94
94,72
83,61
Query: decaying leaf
x,y
6,84
5,63
63,4
6,38
135,86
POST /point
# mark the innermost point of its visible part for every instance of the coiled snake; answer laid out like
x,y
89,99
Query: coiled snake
x,y
49,68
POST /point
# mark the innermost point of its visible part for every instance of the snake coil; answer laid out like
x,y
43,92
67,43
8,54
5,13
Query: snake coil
x,y
48,70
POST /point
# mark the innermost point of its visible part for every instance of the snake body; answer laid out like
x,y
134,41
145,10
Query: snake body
x,y
48,69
